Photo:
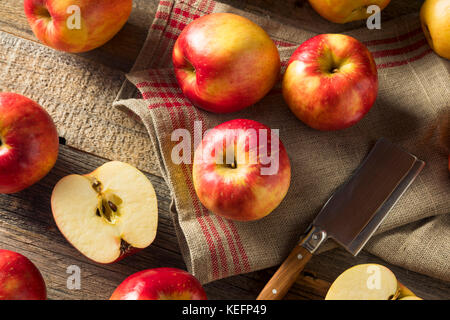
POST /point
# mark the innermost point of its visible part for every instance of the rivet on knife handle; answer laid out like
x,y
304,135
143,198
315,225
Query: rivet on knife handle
x,y
289,271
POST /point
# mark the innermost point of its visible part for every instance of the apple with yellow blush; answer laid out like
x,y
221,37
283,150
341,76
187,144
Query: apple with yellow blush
x,y
331,82
434,18
76,25
343,11
224,62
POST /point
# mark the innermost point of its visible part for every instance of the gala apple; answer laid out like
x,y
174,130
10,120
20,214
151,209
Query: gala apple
x,y
224,62
241,170
331,82
343,11
19,278
76,25
435,21
29,142
160,284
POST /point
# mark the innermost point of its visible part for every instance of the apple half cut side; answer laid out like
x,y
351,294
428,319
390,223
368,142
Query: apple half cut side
x,y
365,282
369,282
107,214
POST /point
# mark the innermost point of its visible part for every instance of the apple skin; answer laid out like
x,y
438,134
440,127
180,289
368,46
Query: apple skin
x,y
331,82
160,284
343,11
19,278
224,62
241,193
434,18
29,142
101,20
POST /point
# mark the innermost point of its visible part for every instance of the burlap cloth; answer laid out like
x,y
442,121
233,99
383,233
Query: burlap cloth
x,y
414,90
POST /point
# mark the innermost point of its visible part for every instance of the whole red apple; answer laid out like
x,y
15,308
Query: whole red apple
x,y
19,278
239,174
331,82
160,284
343,11
28,142
224,62
76,25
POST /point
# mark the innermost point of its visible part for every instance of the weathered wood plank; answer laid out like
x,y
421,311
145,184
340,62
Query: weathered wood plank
x,y
121,52
27,226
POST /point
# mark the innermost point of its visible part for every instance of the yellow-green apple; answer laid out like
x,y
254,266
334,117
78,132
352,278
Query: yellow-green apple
x,y
434,18
368,282
241,170
76,25
19,278
28,142
343,11
224,62
107,214
160,284
331,82
405,294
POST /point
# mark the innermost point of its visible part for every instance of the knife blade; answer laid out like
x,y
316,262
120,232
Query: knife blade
x,y
353,213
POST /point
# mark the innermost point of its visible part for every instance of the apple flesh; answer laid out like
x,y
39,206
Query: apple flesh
x,y
224,62
331,82
19,278
76,25
160,284
343,11
229,177
29,142
107,214
434,18
367,282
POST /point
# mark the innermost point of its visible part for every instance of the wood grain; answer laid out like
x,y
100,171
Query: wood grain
x,y
286,275
27,226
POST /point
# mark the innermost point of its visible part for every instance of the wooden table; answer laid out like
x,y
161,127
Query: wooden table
x,y
27,225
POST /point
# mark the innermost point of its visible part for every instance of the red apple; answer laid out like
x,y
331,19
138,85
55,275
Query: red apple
x,y
331,82
28,142
343,11
76,25
160,284
232,175
19,278
107,214
224,62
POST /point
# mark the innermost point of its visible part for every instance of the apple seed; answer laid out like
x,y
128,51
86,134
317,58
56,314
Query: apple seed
x,y
124,247
112,206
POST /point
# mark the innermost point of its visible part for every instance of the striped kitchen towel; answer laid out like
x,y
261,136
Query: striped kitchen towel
x,y
414,95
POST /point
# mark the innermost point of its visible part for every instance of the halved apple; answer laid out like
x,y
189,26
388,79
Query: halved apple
x,y
369,282
364,282
107,214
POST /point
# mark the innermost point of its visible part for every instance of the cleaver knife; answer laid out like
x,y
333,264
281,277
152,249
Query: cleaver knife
x,y
353,213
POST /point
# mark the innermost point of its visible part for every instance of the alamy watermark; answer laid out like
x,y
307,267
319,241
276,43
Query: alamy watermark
x,y
73,22
374,280
74,278
374,20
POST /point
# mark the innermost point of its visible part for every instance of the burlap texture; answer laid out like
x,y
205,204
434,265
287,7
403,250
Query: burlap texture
x,y
414,90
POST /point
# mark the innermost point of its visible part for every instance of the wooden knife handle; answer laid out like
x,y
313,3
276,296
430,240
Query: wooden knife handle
x,y
286,275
